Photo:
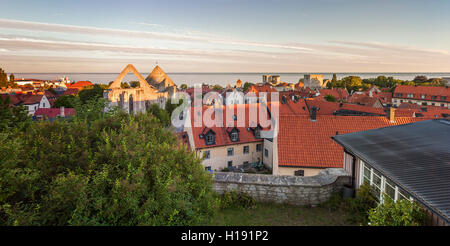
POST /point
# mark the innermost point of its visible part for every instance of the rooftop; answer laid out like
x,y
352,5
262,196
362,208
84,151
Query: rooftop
x,y
415,156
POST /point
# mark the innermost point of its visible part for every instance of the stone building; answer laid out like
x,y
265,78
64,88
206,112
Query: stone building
x,y
313,81
157,88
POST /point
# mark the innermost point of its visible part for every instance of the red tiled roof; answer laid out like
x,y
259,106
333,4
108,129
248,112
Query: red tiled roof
x,y
362,99
304,143
328,108
338,93
54,112
70,91
31,99
418,91
222,137
80,85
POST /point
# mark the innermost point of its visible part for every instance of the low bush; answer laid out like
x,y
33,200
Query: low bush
x,y
234,199
400,213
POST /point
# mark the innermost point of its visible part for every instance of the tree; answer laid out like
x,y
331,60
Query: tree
x,y
330,98
12,79
91,94
162,115
334,79
217,88
420,79
67,101
134,84
183,86
12,116
124,85
120,169
400,213
351,82
246,86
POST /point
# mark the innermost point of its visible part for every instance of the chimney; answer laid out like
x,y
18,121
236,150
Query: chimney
x,y
391,114
313,113
61,112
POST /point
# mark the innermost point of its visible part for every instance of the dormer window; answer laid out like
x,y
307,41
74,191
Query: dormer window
x,y
234,136
210,139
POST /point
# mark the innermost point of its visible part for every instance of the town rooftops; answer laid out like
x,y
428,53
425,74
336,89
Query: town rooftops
x,y
434,93
232,122
51,113
306,143
415,156
80,85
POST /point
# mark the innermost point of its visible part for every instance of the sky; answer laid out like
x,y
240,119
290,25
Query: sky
x,y
103,36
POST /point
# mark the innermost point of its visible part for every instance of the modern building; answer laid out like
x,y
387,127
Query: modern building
x,y
422,95
409,161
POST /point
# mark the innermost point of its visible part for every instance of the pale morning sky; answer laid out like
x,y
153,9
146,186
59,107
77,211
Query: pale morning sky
x,y
225,36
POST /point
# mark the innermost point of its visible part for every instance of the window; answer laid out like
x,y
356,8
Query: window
x,y
299,173
209,139
246,149
258,147
443,98
422,96
230,163
409,95
266,152
206,155
380,184
433,97
230,151
208,168
234,136
398,94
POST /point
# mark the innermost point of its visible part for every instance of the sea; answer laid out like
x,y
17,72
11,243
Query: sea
x,y
222,79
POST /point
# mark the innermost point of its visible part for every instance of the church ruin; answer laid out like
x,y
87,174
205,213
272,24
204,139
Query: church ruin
x,y
156,88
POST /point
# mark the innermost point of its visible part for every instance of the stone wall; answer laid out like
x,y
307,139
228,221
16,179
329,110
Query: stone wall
x,y
312,190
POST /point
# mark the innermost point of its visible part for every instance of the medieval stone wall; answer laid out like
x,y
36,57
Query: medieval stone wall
x,y
312,190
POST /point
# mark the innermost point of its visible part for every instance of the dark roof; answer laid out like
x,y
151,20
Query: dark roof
x,y
416,156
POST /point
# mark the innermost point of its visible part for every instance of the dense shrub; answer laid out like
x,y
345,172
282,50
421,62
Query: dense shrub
x,y
235,199
360,206
115,170
400,213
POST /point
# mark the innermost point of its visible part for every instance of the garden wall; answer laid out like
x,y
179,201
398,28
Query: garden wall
x,y
312,190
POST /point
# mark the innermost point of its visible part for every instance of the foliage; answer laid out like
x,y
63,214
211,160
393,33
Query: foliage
x,y
360,206
124,85
234,199
135,84
67,101
420,79
12,117
400,213
330,98
171,106
183,86
159,113
246,86
91,94
217,88
356,208
4,82
119,169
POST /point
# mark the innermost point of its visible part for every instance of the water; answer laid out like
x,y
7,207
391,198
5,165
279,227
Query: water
x,y
215,78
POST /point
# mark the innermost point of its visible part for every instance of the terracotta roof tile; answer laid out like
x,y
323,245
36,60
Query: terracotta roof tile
x,y
306,143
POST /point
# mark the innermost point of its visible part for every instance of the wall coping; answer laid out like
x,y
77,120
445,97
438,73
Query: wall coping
x,y
326,177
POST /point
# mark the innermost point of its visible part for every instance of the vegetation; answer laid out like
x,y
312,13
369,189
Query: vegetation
x,y
234,199
357,209
92,170
330,98
270,214
4,81
217,88
12,117
67,101
400,213
183,86
246,86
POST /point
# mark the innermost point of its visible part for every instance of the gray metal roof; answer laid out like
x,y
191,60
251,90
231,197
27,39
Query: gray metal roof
x,y
416,156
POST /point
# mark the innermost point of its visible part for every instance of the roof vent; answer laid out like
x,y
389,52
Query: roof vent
x,y
201,135
283,100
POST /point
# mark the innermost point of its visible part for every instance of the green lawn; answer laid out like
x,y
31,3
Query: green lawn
x,y
266,214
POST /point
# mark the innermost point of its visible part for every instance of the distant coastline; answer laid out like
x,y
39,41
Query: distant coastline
x,y
217,78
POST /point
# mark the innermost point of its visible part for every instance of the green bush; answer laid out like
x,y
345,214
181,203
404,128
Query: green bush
x,y
117,169
400,213
359,207
234,199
